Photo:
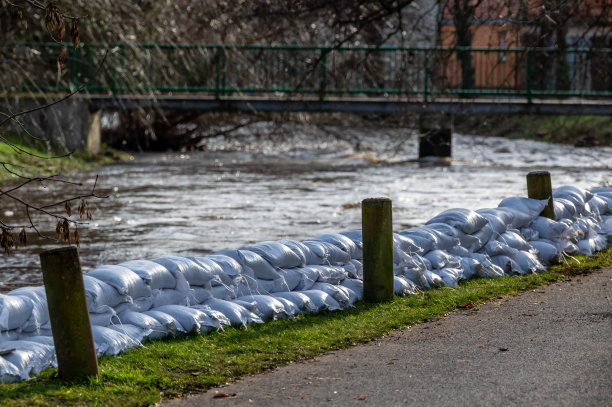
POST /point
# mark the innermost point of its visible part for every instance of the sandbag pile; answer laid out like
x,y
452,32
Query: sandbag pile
x,y
142,300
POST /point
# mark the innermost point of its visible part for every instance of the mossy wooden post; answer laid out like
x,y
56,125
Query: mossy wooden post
x,y
70,325
539,187
377,231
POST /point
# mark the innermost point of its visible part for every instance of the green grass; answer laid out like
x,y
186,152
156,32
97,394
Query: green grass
x,y
31,166
168,368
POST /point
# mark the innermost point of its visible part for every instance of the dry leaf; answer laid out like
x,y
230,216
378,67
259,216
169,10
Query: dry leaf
x,y
362,397
74,33
221,395
68,208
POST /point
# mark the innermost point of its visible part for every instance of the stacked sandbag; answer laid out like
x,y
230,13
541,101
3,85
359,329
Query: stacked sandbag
x,y
142,300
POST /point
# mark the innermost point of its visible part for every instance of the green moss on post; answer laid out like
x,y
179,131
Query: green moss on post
x,y
377,230
539,187
74,345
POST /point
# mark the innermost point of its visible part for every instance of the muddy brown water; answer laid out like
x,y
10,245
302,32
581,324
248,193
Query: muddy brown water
x,y
296,188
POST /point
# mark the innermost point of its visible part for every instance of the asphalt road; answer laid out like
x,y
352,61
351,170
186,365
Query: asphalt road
x,y
547,347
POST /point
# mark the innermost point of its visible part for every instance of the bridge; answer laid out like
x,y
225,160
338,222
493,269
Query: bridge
x,y
361,79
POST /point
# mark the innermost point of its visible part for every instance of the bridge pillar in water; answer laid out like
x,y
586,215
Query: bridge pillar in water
x,y
435,138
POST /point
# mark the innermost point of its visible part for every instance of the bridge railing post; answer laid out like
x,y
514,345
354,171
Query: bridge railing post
x,y
426,84
218,73
529,75
323,84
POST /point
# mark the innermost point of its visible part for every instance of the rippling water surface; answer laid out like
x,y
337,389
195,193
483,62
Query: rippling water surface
x,y
310,182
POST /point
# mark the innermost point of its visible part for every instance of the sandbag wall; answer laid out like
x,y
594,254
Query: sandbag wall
x,y
142,300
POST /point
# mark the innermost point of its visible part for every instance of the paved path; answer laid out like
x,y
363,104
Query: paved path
x,y
547,347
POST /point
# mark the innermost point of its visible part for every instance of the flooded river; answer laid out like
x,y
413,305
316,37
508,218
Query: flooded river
x,y
308,182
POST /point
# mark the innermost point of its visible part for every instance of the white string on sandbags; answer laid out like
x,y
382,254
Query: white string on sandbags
x,y
141,300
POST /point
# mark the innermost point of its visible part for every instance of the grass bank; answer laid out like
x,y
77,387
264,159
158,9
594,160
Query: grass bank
x,y
168,368
36,159
580,131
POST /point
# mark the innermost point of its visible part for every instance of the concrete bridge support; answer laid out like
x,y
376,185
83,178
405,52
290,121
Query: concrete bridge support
x,y
67,125
435,137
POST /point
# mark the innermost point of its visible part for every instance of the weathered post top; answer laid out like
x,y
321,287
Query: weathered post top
x,y
539,186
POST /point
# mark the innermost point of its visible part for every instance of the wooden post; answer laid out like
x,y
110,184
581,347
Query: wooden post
x,y
539,187
377,233
70,325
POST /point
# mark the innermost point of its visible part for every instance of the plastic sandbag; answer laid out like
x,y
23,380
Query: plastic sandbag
x,y
449,276
102,316
290,307
291,278
139,304
191,319
590,245
528,263
124,280
498,218
170,296
301,301
530,234
338,292
28,357
170,324
471,267
15,311
136,334
403,286
330,274
224,292
321,301
9,373
564,209
268,307
220,277
508,265
357,238
40,311
549,229
469,242
488,269
327,253
354,285
497,248
514,240
277,254
607,198
531,207
417,277
465,220
548,253
237,314
229,266
432,280
406,244
300,249
110,342
342,242
254,262
351,269
151,327
573,196
438,240
191,271
440,259
153,274
425,243
570,189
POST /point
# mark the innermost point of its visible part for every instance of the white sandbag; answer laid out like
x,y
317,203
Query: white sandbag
x,y
342,242
355,285
548,253
201,294
218,319
268,308
432,280
357,238
139,304
327,253
508,265
471,267
15,311
515,240
338,292
153,274
531,207
300,249
607,197
28,357
291,279
244,285
574,197
301,301
191,271
450,276
277,254
150,326
417,277
122,279
570,189
170,324
424,243
530,234
529,263
220,277
291,308
406,244
229,266
403,286
40,311
273,286
484,235
330,274
498,218
549,229
9,373
488,270
237,314
308,276
136,334
224,292
564,209
438,240
169,296
352,271
191,319
103,316
497,248
254,262
321,301
109,342
465,220
469,242
591,245
440,259
358,267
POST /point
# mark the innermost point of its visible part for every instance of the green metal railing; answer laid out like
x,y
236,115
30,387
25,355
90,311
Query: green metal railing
x,y
322,71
